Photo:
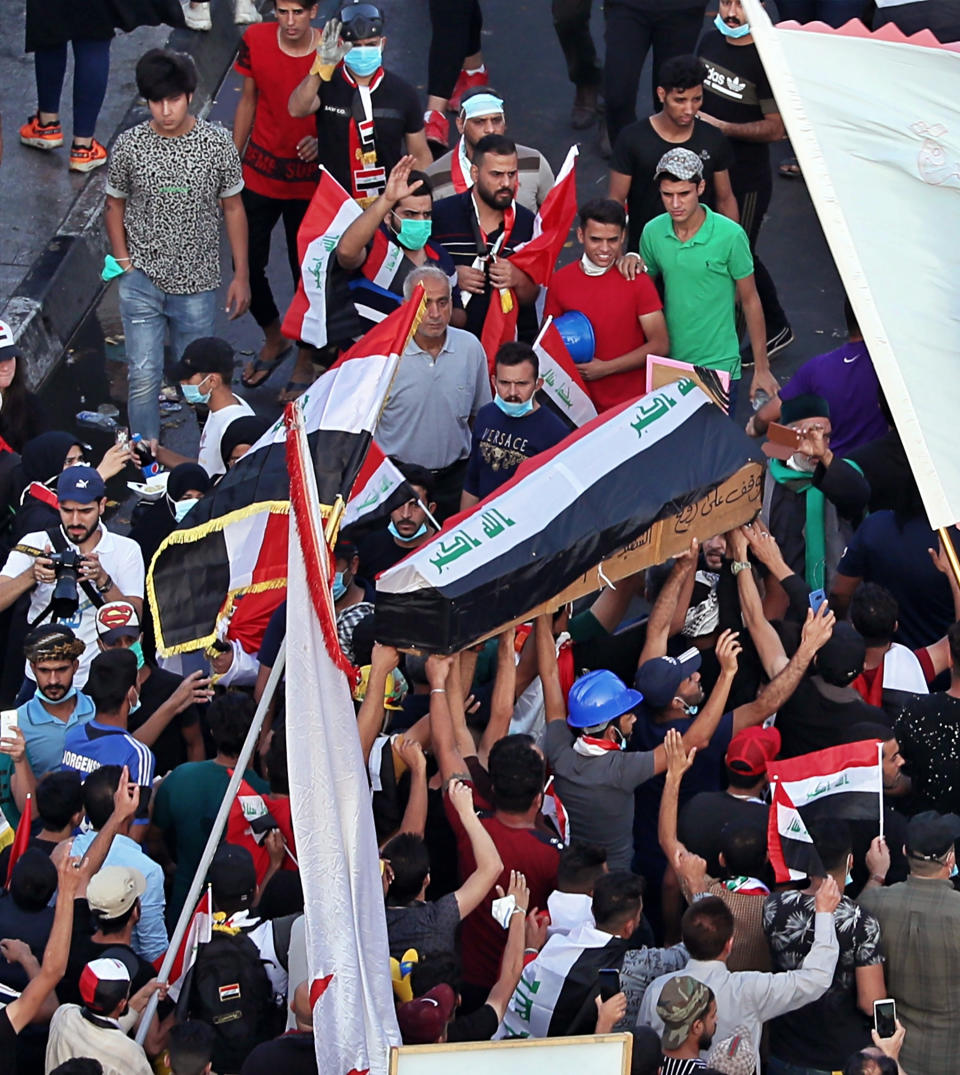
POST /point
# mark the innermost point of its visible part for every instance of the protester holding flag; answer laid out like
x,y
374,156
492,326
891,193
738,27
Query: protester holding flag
x,y
625,313
842,1015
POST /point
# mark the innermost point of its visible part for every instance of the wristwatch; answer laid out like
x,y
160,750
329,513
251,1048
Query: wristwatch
x,y
737,566
106,587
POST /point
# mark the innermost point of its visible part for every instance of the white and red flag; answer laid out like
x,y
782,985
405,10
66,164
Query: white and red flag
x,y
376,486
839,782
563,388
789,846
348,956
199,933
537,257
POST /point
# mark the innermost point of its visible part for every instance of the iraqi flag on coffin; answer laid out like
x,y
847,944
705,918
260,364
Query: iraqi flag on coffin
x,y
839,782
564,390
789,847
671,457
537,257
233,549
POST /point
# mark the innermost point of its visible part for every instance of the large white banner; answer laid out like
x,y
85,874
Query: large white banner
x,y
875,123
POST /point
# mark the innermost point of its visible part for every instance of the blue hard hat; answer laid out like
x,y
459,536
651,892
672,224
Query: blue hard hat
x,y
576,331
598,698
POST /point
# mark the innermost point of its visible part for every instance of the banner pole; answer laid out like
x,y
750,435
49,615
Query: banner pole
x,y
213,840
880,768
951,552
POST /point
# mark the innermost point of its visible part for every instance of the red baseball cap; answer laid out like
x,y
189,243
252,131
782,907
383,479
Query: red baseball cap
x,y
422,1021
750,750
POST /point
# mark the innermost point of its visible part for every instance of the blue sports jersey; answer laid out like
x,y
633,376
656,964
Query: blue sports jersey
x,y
89,746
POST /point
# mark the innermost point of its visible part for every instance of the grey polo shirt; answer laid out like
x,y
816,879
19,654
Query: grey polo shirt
x,y
432,401
597,792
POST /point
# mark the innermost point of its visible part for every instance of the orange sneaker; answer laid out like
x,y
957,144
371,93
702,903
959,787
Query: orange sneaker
x,y
466,80
41,135
86,158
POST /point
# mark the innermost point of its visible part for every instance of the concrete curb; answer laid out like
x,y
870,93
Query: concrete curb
x,y
63,283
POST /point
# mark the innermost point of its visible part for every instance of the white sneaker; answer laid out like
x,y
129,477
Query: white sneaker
x,y
196,16
244,11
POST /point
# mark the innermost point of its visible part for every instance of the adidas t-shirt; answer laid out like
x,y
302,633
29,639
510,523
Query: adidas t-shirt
x,y
89,746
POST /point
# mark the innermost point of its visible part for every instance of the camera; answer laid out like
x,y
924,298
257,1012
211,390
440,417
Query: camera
x,y
66,598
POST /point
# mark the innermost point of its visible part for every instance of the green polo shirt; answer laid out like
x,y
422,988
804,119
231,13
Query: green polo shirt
x,y
700,282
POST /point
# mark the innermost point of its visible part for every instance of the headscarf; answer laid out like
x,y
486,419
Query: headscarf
x,y
187,476
43,457
246,430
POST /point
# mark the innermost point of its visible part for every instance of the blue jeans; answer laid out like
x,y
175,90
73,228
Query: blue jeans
x,y
781,1067
147,312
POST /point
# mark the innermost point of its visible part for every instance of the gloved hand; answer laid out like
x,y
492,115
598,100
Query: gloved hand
x,y
331,49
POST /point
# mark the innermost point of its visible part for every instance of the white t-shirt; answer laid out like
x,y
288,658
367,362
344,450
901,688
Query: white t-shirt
x,y
121,559
217,422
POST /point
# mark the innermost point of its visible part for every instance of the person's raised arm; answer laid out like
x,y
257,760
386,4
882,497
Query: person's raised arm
x,y
764,547
461,665
939,651
489,865
383,660
555,705
661,615
72,875
523,933
766,640
816,631
22,780
442,736
192,690
126,800
415,816
352,247
502,699
678,762
305,99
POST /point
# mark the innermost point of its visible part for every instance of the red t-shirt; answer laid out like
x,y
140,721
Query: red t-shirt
x,y
270,164
614,306
483,939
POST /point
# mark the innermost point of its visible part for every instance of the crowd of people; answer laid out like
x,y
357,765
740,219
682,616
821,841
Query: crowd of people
x,y
574,817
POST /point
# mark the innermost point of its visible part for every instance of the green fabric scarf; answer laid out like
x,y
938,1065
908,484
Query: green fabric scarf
x,y
815,541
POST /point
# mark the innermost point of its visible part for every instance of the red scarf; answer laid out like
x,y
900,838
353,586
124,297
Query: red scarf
x,y
460,181
367,178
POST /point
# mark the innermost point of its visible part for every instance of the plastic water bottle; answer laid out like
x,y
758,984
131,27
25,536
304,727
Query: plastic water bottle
x,y
148,464
760,399
96,420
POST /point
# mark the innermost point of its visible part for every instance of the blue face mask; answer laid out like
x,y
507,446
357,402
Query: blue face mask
x,y
192,393
339,586
731,31
689,710
363,60
954,871
136,705
137,650
181,508
394,532
413,234
72,693
513,410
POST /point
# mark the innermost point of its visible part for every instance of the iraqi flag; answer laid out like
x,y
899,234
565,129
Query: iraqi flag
x,y
561,984
789,847
251,817
377,489
348,954
330,213
232,547
537,257
199,932
839,782
564,390
20,840
564,512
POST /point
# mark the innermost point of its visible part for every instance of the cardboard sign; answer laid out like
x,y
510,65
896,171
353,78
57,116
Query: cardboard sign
x,y
606,1053
716,383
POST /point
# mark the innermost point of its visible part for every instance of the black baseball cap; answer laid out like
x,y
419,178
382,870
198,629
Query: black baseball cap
x,y
931,835
209,354
232,875
840,661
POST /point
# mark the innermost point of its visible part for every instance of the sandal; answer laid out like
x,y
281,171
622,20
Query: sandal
x,y
790,169
293,390
265,367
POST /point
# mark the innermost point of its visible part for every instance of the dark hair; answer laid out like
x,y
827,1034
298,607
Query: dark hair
x,y
276,760
580,866
742,781
833,841
646,1056
190,1045
669,177
416,475
98,791
410,861
112,674
744,848
422,182
874,612
229,717
517,773
706,927
163,73
440,968
681,73
617,897
114,925
861,1064
78,1065
15,416
475,91
33,881
603,211
866,729
58,797
953,637
514,353
497,144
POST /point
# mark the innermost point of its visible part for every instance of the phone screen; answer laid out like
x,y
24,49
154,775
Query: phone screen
x,y
8,721
817,598
609,980
885,1017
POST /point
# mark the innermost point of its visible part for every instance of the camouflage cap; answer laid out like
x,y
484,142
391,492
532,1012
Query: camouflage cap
x,y
683,1000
